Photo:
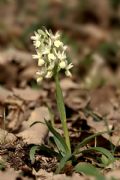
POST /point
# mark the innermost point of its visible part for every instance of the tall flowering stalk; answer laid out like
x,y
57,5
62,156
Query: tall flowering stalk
x,y
52,58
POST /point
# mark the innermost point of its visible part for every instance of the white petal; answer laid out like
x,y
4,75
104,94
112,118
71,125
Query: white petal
x,y
51,66
33,37
63,56
49,74
36,37
51,56
47,32
50,43
41,72
68,73
62,64
58,43
58,54
35,56
57,35
37,43
45,51
69,66
39,79
41,62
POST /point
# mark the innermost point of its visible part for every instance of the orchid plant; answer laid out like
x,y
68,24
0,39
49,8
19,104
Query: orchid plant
x,y
51,56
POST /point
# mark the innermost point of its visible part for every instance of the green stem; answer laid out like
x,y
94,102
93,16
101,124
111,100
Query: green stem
x,y
62,113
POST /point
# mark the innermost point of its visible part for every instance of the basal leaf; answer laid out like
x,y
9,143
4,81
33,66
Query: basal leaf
x,y
89,170
87,140
103,151
61,145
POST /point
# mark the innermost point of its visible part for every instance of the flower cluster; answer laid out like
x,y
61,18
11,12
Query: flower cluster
x,y
51,54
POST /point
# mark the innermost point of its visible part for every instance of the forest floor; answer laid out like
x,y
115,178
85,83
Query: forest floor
x,y
91,96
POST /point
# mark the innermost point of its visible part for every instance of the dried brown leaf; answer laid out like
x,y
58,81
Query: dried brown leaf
x,y
4,94
44,175
114,173
11,174
37,133
6,137
29,94
67,84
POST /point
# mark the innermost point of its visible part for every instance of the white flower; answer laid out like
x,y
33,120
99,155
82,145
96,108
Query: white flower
x,y
69,66
51,66
67,72
45,51
51,54
60,55
37,44
36,37
58,43
56,36
36,40
62,64
41,62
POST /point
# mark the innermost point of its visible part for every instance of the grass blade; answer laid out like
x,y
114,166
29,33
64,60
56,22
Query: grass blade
x,y
36,122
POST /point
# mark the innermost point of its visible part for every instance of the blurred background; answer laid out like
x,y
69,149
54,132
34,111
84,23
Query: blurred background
x,y
91,28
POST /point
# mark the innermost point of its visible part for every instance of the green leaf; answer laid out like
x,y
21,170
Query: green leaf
x,y
32,153
104,160
88,169
103,151
61,145
63,162
87,140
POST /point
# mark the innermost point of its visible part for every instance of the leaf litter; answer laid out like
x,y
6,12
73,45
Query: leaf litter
x,y
91,97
